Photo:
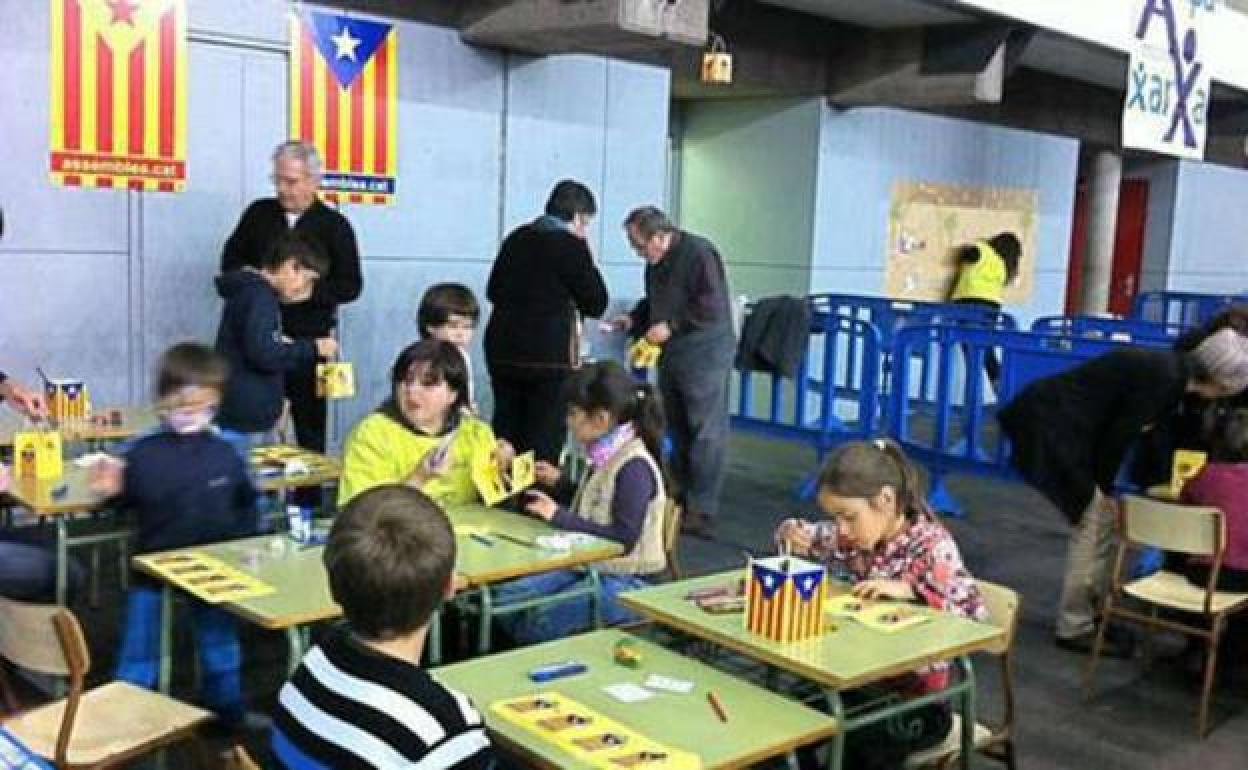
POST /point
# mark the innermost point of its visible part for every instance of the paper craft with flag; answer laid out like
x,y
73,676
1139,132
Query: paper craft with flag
x,y
784,598
495,487
344,100
118,93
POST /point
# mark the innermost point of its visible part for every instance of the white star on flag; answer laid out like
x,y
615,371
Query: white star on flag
x,y
345,44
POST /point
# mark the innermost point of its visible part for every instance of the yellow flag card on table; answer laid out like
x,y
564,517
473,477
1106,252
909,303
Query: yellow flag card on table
x,y
495,487
335,379
589,736
885,617
37,454
1187,463
207,578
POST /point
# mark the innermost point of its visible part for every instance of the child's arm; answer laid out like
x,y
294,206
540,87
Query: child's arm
x,y
635,488
263,344
244,501
939,579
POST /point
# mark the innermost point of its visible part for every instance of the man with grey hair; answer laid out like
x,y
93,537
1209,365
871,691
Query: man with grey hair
x,y
687,311
296,178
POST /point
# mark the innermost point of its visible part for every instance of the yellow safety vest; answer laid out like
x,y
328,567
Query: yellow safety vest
x,y
984,279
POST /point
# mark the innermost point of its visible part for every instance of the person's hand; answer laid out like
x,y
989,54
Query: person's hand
x,y
547,474
4,478
107,477
659,333
880,588
29,402
540,505
797,535
327,347
621,323
504,456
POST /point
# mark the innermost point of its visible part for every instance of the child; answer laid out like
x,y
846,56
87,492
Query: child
x,y
187,486
250,335
360,698
1222,483
620,423
886,541
422,435
449,312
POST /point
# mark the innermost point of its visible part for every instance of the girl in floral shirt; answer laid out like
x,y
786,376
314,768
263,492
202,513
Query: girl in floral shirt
x,y
885,541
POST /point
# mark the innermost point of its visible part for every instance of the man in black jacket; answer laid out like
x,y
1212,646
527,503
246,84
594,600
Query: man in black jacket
x,y
688,312
296,177
543,282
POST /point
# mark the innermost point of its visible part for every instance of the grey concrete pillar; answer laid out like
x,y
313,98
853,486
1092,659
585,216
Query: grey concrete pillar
x,y
1104,183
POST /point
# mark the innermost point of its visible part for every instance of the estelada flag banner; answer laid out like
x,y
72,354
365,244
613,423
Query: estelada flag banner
x,y
784,598
344,99
118,93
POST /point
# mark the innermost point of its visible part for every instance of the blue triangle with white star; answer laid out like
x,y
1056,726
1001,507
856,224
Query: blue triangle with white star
x,y
347,43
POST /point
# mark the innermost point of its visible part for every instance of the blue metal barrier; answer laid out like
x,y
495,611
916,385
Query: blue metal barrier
x,y
960,434
1183,308
835,396
1117,329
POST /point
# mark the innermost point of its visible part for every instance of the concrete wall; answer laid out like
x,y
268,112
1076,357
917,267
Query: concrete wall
x,y
97,283
747,181
863,152
1209,244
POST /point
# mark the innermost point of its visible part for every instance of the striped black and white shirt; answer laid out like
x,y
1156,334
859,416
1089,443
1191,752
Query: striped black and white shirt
x,y
349,706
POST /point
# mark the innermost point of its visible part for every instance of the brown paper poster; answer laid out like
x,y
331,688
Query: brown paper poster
x,y
928,222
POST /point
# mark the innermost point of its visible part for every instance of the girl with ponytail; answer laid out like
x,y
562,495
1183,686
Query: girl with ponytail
x,y
619,422
885,541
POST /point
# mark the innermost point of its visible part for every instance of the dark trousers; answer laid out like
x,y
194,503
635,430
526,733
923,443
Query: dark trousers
x,y
885,745
306,409
991,365
28,566
693,381
529,414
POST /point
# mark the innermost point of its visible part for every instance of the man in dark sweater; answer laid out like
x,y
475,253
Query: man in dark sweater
x,y
543,282
250,335
688,312
297,175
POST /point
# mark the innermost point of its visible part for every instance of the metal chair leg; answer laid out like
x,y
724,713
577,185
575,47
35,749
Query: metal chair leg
x,y
1097,646
1211,665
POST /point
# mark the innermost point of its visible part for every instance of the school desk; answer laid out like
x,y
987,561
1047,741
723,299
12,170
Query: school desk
x,y
760,724
847,656
302,586
513,552
134,420
63,498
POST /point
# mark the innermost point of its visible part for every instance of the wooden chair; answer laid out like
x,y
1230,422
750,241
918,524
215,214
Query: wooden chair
x,y
994,741
671,539
1186,529
103,727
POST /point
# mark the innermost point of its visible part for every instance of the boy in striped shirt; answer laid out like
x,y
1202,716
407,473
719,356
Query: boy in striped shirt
x,y
359,699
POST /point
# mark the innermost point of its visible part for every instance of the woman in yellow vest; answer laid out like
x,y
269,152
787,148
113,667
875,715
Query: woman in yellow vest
x,y
423,435
619,422
985,268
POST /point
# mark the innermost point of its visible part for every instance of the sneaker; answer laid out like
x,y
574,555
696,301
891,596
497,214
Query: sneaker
x,y
1118,643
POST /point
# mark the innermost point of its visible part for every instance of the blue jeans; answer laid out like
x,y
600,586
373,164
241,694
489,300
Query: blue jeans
x,y
28,567
216,641
570,616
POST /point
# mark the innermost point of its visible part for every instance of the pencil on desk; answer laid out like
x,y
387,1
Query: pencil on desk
x,y
514,539
482,539
717,707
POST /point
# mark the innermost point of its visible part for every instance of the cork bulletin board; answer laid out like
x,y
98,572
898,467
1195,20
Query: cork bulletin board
x,y
928,222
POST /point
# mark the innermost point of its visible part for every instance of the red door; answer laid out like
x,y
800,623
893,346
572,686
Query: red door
x,y
1128,247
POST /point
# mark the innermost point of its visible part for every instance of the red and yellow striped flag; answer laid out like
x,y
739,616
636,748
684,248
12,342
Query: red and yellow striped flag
x,y
784,599
344,100
118,96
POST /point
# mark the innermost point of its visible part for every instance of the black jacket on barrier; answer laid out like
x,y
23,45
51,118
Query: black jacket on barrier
x,y
1071,432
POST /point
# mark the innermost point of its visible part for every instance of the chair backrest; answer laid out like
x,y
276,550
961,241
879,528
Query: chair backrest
x,y
29,637
1002,606
671,537
1191,529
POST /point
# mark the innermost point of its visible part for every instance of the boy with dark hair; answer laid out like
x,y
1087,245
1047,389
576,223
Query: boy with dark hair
x,y
187,486
449,312
250,334
360,698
